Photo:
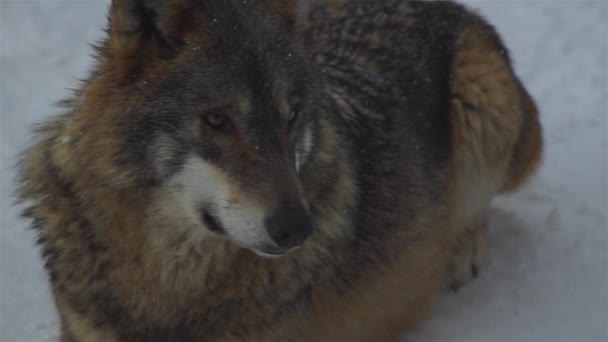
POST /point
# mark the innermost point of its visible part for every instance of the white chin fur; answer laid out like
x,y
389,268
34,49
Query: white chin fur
x,y
273,256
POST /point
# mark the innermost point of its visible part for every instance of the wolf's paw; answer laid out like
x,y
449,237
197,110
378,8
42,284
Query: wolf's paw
x,y
468,252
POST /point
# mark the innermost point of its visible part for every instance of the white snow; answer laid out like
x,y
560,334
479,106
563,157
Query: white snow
x,y
546,275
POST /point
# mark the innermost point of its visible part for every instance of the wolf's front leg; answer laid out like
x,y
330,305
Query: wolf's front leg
x,y
467,255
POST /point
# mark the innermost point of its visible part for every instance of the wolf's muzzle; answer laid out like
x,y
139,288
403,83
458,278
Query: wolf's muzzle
x,y
289,226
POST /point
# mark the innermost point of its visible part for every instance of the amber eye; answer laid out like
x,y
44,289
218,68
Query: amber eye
x,y
292,118
218,121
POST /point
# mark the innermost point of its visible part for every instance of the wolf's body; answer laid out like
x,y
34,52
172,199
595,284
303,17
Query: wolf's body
x,y
410,121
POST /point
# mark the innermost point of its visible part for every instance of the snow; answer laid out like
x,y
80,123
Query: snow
x,y
546,275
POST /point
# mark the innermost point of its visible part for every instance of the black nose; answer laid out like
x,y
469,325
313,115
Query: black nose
x,y
289,226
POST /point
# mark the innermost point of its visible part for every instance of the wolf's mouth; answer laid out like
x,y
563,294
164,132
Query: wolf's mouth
x,y
212,223
273,252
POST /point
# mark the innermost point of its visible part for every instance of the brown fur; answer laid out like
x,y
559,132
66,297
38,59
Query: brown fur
x,y
496,136
114,255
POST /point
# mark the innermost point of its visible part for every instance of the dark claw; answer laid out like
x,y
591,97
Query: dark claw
x,y
455,286
475,270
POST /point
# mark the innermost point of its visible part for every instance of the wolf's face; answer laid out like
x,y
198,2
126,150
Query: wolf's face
x,y
241,155
229,113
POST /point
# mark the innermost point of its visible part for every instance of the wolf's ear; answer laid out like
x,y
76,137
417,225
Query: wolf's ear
x,y
157,25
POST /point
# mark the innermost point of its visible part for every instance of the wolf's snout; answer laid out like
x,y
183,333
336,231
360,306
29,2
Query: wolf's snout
x,y
289,226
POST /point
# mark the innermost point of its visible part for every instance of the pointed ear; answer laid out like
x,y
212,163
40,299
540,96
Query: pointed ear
x,y
156,26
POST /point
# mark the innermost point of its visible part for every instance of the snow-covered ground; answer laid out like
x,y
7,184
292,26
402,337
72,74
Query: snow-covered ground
x,y
546,275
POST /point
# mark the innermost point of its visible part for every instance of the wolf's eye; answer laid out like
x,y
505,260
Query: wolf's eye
x,y
292,118
218,121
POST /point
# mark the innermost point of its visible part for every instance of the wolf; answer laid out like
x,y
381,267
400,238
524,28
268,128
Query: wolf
x,y
268,170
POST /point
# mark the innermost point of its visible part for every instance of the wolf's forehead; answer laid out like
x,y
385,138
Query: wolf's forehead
x,y
243,102
254,105
269,94
248,102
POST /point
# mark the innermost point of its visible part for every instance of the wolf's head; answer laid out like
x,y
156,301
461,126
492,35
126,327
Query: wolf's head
x,y
215,101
